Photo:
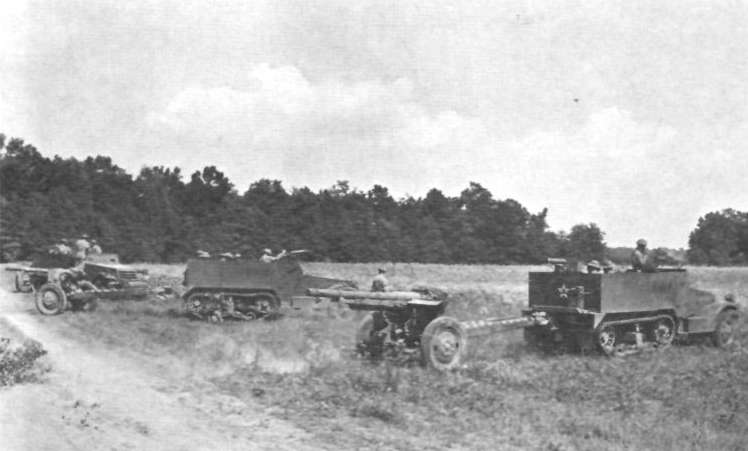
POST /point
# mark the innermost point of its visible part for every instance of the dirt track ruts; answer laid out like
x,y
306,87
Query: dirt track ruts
x,y
94,399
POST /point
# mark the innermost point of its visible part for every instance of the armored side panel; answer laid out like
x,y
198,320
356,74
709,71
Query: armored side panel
x,y
618,292
640,292
245,275
559,289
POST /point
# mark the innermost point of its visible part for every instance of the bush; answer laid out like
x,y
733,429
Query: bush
x,y
18,364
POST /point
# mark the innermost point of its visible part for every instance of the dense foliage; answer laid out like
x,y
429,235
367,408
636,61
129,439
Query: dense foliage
x,y
157,216
720,238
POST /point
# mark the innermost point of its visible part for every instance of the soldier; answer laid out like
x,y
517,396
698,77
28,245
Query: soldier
x,y
63,247
81,248
267,256
380,281
95,248
608,266
593,267
640,258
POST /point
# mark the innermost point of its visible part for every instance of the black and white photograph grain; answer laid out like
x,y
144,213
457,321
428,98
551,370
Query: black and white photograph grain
x,y
396,225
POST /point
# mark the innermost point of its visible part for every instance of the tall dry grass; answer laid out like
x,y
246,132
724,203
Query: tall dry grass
x,y
506,397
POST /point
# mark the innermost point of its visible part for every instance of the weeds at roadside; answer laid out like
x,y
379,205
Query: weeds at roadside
x,y
19,363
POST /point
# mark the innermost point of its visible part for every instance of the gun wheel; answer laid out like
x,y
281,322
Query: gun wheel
x,y
606,340
50,299
443,343
368,343
726,329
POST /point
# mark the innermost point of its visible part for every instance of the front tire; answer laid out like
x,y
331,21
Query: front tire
x,y
50,299
443,343
22,283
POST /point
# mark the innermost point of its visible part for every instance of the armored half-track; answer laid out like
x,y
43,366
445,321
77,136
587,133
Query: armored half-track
x,y
248,289
624,312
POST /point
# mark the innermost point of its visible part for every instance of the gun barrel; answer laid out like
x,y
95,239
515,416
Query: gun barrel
x,y
359,294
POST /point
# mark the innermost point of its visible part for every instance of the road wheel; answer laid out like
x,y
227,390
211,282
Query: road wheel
x,y
22,282
443,343
606,339
199,305
50,299
368,343
727,328
663,332
265,305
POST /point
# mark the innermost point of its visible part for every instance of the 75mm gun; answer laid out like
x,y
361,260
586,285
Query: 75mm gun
x,y
411,325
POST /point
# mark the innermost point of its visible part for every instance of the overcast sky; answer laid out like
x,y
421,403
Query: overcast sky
x,y
632,115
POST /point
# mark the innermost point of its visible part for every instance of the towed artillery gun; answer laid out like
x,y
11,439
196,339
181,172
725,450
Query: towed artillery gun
x,y
619,313
59,286
248,289
405,324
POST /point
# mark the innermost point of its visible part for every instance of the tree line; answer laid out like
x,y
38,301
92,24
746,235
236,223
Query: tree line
x,y
162,216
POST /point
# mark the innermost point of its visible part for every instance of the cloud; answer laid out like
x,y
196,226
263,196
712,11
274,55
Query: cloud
x,y
315,133
613,169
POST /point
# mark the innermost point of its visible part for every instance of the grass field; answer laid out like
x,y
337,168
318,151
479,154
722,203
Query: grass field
x,y
505,397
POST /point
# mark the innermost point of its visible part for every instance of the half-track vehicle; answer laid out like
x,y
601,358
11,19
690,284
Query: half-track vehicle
x,y
248,289
624,312
617,313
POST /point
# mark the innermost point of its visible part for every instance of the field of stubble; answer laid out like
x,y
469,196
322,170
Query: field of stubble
x,y
505,397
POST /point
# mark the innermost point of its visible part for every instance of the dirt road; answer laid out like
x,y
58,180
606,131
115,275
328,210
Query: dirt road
x,y
95,399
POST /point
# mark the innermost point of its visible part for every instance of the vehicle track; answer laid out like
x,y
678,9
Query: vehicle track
x,y
95,398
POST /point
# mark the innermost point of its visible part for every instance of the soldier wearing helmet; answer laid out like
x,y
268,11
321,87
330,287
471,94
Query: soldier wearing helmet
x,y
267,256
640,258
380,281
81,248
593,267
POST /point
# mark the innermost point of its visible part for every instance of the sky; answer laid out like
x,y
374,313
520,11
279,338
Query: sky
x,y
632,115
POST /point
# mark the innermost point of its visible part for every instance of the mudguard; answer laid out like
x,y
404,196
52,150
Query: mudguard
x,y
706,320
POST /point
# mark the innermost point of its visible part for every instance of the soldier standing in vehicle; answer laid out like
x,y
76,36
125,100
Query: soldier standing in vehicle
x,y
640,258
380,281
267,256
81,248
95,248
62,248
593,267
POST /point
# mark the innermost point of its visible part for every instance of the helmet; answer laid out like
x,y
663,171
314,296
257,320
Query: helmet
x,y
641,242
594,264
